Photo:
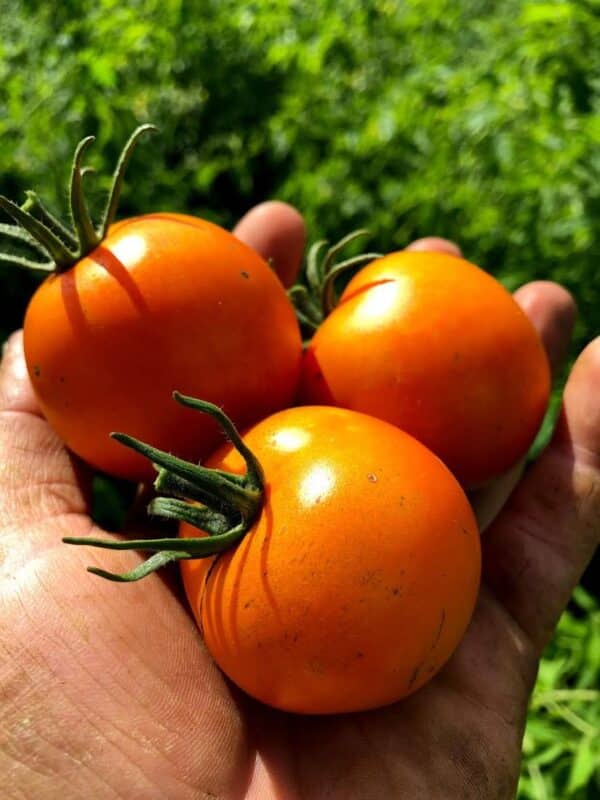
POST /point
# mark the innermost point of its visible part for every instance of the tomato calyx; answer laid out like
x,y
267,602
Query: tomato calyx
x,y
317,299
222,504
38,229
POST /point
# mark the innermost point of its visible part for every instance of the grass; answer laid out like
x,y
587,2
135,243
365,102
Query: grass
x,y
561,748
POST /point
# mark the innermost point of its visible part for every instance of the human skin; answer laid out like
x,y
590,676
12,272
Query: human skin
x,y
107,691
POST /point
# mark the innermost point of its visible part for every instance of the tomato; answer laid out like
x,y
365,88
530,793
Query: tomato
x,y
357,579
434,345
164,302
135,309
172,215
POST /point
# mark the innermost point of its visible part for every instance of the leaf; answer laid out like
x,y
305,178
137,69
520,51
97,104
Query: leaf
x,y
546,12
585,763
102,72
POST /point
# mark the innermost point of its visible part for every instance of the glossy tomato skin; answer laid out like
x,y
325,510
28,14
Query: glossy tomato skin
x,y
436,346
165,303
358,579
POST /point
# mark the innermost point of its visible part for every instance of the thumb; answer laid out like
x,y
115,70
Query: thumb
x,y
537,549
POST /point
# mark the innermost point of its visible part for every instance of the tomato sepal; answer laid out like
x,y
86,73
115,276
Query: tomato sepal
x,y
229,503
34,203
169,549
43,231
317,299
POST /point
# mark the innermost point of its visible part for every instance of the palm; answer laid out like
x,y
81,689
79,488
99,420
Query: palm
x,y
108,691
129,668
123,676
458,737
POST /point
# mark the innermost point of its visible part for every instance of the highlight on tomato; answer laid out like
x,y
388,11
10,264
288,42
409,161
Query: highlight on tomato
x,y
338,560
436,346
130,310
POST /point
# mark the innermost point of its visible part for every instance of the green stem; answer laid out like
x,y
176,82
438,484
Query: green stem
x,y
34,206
169,483
59,253
315,301
66,247
26,263
163,557
339,246
86,235
328,298
201,546
148,566
308,312
20,235
166,550
255,473
225,494
565,695
118,175
314,275
212,522
231,502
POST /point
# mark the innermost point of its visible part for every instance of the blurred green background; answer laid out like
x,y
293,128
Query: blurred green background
x,y
471,120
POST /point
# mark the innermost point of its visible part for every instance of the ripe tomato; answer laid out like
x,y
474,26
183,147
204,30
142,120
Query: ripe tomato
x,y
359,576
165,301
436,346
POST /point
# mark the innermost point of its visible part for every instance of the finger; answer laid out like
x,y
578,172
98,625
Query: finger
x,y
433,244
537,549
276,231
552,312
16,392
488,501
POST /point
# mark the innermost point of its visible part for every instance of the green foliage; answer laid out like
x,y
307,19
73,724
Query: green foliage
x,y
111,500
471,120
562,740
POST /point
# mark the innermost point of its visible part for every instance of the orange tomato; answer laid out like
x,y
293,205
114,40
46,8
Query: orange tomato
x,y
359,576
165,301
436,346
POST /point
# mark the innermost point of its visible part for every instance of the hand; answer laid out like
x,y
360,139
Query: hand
x,y
107,691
